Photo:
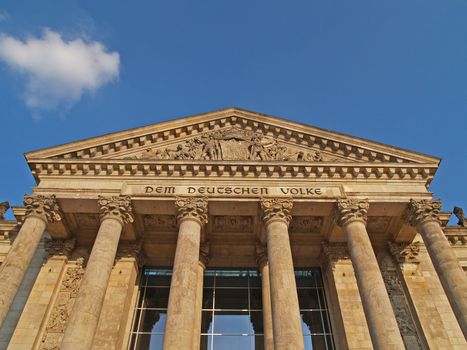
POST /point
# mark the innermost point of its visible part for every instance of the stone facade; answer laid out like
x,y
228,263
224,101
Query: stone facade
x,y
231,189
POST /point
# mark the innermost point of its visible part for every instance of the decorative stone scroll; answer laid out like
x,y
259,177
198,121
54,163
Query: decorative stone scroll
x,y
420,211
232,144
44,207
276,209
192,208
405,253
333,253
59,247
118,207
349,210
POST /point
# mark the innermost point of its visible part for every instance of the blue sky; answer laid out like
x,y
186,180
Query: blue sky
x,y
391,71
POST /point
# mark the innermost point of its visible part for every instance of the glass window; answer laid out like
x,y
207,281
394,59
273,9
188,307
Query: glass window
x,y
232,316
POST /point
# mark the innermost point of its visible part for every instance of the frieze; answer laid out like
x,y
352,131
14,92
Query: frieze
x,y
231,223
160,223
305,224
231,144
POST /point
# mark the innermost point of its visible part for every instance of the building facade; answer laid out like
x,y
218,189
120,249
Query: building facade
x,y
231,230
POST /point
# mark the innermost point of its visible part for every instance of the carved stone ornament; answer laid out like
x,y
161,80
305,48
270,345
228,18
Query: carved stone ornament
x,y
59,247
276,209
261,255
128,249
405,253
4,206
43,207
118,207
421,211
204,253
231,144
192,208
334,253
349,210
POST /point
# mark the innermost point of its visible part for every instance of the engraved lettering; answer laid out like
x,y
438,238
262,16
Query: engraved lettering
x,y
191,190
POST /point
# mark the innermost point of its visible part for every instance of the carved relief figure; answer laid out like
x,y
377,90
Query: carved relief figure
x,y
232,144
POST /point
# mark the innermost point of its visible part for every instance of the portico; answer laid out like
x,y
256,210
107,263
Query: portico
x,y
168,219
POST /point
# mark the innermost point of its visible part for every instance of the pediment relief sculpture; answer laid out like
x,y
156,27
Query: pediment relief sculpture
x,y
231,144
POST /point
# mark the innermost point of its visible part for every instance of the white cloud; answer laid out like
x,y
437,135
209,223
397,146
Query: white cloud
x,y
58,72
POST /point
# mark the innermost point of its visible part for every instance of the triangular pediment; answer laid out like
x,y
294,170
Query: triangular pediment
x,y
232,135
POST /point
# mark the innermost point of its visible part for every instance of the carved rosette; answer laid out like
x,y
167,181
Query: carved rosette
x,y
405,253
43,207
118,207
421,211
333,253
204,253
261,255
276,209
59,247
195,208
349,210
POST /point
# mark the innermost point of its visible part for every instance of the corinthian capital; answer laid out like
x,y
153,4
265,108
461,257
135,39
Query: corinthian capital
x,y
44,207
423,210
276,209
192,208
118,207
204,253
349,210
261,255
405,252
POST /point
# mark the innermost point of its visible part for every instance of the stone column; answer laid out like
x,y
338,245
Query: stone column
x,y
181,312
263,266
351,329
423,214
117,310
202,263
287,327
82,325
39,211
384,332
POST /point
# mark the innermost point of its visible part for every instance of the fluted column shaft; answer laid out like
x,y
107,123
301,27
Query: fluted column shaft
x,y
263,266
39,211
181,312
424,215
382,323
82,324
287,329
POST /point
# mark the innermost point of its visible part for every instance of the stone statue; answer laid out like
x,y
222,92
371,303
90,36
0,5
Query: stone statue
x,y
4,206
232,144
459,213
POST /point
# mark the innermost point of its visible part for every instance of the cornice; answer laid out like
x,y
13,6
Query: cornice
x,y
237,169
288,131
